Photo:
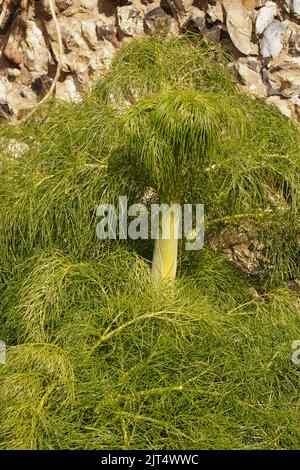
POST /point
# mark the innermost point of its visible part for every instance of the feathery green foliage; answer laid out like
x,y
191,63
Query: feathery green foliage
x,y
216,149
172,133
152,369
50,201
156,65
99,358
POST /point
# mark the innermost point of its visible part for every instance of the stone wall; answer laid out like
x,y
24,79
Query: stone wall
x,y
263,36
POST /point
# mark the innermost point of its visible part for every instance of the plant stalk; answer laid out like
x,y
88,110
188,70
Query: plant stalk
x,y
164,263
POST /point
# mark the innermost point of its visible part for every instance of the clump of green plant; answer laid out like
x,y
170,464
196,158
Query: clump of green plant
x,y
210,148
77,159
100,357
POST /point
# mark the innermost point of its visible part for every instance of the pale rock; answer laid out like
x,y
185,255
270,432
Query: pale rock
x,y
46,6
294,40
101,61
76,60
107,31
71,31
25,91
293,61
244,257
194,12
73,11
271,82
77,63
36,53
265,17
287,82
251,79
88,4
15,148
16,103
285,61
214,13
54,56
4,86
251,4
64,4
64,63
130,21
67,91
174,26
13,49
283,80
83,77
88,28
271,43
13,72
295,99
5,16
72,34
253,63
296,7
286,5
284,106
187,4
239,25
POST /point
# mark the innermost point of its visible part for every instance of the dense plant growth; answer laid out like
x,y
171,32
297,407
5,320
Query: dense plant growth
x,y
99,356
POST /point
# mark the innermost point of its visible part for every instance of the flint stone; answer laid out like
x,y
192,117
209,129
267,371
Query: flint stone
x,y
67,91
294,43
88,29
296,7
130,21
284,106
106,31
214,13
239,26
156,21
271,43
265,17
251,79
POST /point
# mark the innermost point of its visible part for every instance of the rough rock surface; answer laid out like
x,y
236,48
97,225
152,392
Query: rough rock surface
x,y
262,35
242,248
